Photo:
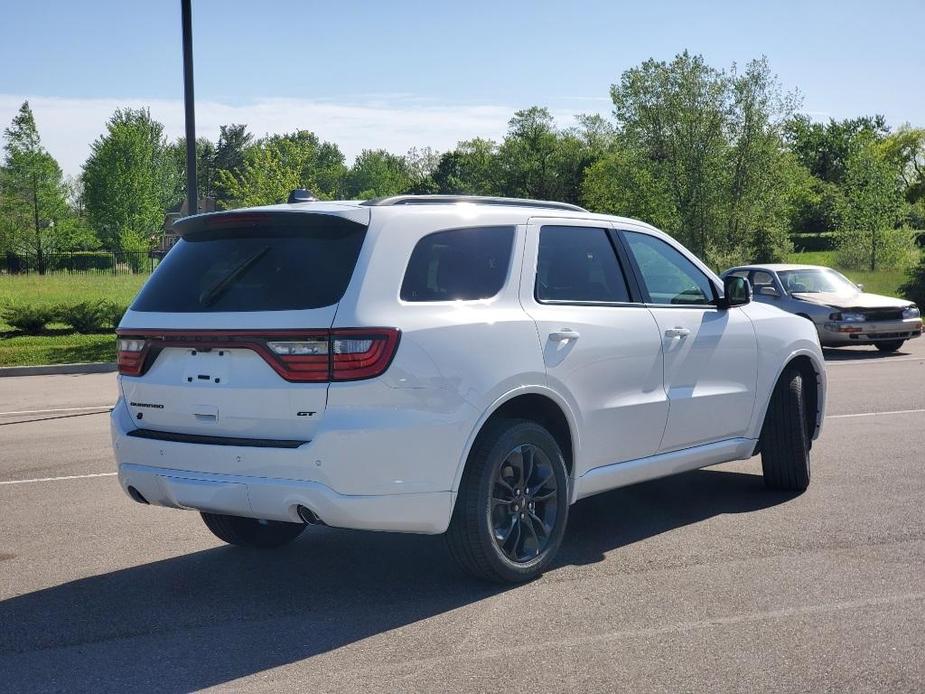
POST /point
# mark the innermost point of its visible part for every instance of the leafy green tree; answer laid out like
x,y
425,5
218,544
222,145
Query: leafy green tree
x,y
421,164
824,148
905,151
205,165
33,202
470,169
377,173
276,165
234,142
871,210
129,181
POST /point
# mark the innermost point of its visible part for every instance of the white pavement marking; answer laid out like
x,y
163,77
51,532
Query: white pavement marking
x,y
870,360
56,409
872,414
55,479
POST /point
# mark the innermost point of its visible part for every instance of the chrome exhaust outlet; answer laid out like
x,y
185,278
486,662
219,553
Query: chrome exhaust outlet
x,y
309,516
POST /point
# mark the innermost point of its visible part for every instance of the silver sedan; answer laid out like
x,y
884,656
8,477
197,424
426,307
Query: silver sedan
x,y
843,312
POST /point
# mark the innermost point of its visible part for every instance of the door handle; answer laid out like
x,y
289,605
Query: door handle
x,y
563,335
677,332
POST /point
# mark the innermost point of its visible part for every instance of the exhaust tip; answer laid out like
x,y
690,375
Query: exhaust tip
x,y
309,516
136,495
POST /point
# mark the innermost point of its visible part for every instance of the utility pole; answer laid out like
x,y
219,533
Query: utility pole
x,y
192,197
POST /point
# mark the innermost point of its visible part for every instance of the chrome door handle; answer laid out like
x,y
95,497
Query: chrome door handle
x,y
563,335
677,332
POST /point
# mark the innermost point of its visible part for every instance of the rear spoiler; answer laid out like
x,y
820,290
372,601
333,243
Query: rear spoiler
x,y
244,220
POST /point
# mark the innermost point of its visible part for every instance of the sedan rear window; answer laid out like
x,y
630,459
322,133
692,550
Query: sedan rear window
x,y
256,263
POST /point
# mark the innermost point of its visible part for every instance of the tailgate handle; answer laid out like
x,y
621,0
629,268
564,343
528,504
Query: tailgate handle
x,y
205,413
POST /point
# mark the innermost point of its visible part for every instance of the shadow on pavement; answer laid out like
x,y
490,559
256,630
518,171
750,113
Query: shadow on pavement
x,y
860,353
210,617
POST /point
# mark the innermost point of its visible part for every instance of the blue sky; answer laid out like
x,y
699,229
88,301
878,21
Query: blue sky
x,y
393,74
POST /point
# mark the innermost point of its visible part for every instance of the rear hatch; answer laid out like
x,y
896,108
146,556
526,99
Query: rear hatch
x,y
230,337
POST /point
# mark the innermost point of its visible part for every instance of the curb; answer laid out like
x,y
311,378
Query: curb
x,y
52,369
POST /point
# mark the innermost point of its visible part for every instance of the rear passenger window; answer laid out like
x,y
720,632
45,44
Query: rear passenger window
x,y
578,264
459,264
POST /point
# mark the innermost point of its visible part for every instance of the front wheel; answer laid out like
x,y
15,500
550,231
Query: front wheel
x,y
512,505
252,532
785,436
889,346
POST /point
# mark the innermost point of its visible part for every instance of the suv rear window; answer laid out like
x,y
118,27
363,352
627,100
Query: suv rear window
x,y
458,264
256,263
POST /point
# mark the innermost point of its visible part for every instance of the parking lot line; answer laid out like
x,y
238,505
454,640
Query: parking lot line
x,y
57,409
56,479
870,360
872,414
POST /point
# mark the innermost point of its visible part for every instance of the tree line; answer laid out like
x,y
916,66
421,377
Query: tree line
x,y
720,158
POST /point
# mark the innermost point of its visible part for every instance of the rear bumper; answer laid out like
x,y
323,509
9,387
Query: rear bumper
x,y
834,333
277,499
349,478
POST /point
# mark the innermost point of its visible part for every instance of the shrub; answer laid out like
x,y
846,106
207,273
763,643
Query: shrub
x,y
27,318
91,316
914,287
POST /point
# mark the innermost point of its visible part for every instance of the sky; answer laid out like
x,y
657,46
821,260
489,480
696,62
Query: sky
x,y
399,74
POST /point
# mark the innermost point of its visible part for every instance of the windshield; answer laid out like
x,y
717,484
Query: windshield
x,y
816,281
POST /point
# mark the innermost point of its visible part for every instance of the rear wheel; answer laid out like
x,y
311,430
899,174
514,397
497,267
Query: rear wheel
x,y
785,436
512,505
889,346
251,532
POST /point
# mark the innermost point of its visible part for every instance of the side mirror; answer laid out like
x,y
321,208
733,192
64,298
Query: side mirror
x,y
737,291
769,291
860,287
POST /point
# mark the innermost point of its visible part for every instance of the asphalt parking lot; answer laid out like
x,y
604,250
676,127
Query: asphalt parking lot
x,y
701,582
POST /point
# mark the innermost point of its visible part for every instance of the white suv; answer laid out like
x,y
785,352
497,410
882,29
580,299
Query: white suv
x,y
433,364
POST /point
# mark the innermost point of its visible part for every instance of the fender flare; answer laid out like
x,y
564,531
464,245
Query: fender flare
x,y
818,366
498,403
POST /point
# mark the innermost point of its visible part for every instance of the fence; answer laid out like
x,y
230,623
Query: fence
x,y
83,263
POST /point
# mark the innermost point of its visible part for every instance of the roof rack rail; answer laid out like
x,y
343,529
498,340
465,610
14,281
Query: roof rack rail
x,y
476,199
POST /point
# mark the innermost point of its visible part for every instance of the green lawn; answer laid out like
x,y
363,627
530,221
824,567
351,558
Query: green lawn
x,y
59,345
881,282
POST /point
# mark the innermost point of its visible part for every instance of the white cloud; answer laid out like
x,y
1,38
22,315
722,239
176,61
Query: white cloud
x,y
394,122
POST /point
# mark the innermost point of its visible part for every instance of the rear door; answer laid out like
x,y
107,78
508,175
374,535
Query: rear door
x,y
229,337
711,354
601,347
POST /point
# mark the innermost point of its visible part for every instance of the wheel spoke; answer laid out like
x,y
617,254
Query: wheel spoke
x,y
536,538
528,452
536,520
547,495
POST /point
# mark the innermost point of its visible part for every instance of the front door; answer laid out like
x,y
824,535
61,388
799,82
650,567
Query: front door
x,y
711,354
601,347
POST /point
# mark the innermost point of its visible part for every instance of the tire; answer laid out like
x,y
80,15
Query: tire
x,y
494,503
890,346
251,532
784,436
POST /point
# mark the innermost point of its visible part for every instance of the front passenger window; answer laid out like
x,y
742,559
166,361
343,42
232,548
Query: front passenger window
x,y
668,276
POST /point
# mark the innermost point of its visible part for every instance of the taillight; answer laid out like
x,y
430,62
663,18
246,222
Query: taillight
x,y
313,356
359,353
130,355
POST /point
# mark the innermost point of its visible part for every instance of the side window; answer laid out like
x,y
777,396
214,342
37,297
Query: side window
x,y
669,277
578,264
459,264
760,278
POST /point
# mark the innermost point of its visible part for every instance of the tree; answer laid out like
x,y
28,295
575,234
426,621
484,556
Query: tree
x,y
230,153
377,173
674,115
869,213
33,203
421,164
470,169
276,165
710,142
905,152
129,181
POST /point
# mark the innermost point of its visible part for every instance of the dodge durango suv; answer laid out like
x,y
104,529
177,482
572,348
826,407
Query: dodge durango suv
x,y
445,364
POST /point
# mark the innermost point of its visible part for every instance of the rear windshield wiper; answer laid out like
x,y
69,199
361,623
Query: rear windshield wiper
x,y
209,296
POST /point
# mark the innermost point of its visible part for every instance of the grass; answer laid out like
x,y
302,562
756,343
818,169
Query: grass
x,y
59,345
880,282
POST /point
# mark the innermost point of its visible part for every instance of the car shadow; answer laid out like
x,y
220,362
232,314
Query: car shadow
x,y
859,353
210,617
